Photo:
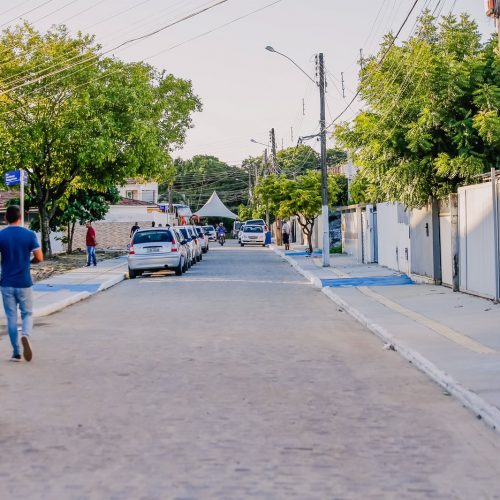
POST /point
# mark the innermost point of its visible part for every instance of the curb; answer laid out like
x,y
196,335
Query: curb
x,y
78,297
481,408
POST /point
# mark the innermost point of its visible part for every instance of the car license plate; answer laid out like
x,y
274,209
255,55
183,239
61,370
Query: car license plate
x,y
153,249
253,237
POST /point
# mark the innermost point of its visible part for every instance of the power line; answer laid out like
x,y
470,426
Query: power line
x,y
27,12
384,55
123,44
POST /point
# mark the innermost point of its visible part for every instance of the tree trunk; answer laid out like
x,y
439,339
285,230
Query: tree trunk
x,y
45,231
72,235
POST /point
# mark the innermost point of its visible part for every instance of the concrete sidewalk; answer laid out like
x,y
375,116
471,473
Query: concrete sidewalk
x,y
453,337
60,291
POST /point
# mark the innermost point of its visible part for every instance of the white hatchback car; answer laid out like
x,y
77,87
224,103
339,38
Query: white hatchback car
x,y
253,235
155,249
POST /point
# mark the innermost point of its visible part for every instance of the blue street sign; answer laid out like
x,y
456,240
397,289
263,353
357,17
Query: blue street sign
x,y
13,178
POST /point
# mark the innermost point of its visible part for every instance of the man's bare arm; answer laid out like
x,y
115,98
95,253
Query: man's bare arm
x,y
37,255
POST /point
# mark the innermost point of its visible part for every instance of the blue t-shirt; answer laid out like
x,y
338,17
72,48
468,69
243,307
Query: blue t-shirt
x,y
16,245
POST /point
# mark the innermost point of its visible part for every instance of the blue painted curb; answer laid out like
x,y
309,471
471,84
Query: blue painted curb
x,y
91,288
371,281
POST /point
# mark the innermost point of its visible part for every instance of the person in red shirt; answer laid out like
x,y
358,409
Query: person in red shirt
x,y
91,243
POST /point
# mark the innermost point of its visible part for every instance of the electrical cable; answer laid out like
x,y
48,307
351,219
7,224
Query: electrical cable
x,y
123,44
384,55
27,12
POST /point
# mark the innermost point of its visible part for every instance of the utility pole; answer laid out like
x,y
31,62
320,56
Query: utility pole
x,y
274,162
325,213
291,134
361,59
265,173
343,86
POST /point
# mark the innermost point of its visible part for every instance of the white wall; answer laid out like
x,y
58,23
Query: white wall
x,y
350,229
477,247
120,213
393,237
147,186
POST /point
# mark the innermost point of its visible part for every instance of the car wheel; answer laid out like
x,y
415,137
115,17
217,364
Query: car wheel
x,y
201,256
242,244
132,274
178,269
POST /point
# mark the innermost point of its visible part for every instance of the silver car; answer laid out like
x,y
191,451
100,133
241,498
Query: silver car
x,y
203,239
155,249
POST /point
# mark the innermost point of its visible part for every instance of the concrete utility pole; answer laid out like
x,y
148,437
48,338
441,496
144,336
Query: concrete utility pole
x,y
266,170
274,162
325,213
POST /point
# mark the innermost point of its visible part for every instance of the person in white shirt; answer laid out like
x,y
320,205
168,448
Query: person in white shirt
x,y
285,231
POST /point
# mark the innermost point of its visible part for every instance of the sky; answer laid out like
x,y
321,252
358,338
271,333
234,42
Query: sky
x,y
245,89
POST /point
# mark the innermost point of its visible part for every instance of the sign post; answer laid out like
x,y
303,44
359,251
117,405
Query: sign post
x,y
13,178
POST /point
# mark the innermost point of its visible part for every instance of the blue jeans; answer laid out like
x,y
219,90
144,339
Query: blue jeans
x,y
22,297
91,259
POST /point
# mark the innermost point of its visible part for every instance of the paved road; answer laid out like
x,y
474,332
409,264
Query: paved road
x,y
238,380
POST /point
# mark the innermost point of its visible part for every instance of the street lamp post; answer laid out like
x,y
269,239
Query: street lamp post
x,y
324,172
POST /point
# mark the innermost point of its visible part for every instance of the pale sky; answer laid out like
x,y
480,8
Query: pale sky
x,y
245,89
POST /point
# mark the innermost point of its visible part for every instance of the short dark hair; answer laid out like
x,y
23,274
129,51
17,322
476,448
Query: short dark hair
x,y
13,214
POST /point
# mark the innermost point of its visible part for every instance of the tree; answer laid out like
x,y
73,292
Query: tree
x,y
79,207
84,206
335,157
300,196
90,127
197,178
432,117
297,160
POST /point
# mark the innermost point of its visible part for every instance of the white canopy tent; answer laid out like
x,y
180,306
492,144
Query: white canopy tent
x,y
215,208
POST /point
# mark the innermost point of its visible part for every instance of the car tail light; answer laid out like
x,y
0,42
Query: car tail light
x,y
131,250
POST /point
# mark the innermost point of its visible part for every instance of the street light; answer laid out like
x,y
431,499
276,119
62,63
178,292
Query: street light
x,y
324,172
257,142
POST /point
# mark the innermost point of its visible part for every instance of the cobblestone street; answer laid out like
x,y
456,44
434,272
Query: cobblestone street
x,y
236,380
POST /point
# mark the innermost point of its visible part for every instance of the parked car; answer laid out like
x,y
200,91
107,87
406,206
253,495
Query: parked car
x,y
184,248
240,232
155,249
196,238
236,228
257,222
190,242
253,235
210,230
203,239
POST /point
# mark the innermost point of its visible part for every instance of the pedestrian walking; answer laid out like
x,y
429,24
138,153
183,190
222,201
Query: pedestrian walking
x,y
285,231
153,224
91,243
16,245
135,227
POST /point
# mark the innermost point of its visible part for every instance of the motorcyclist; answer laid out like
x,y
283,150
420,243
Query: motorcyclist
x,y
221,231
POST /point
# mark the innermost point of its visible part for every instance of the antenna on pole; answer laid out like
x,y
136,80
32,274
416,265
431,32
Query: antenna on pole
x,y
343,87
361,59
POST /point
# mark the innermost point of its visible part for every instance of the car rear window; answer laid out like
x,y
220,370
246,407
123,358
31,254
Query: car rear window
x,y
255,222
184,232
253,229
142,237
200,231
209,228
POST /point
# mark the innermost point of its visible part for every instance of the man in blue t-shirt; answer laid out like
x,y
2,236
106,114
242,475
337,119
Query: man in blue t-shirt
x,y
16,245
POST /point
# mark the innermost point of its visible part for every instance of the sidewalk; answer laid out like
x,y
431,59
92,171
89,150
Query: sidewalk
x,y
60,291
453,337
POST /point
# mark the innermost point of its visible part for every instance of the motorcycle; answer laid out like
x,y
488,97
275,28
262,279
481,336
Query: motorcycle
x,y
222,239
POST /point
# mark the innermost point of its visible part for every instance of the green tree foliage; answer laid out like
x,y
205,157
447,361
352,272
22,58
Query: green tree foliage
x,y
78,207
297,160
432,118
300,196
88,127
197,178
335,157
